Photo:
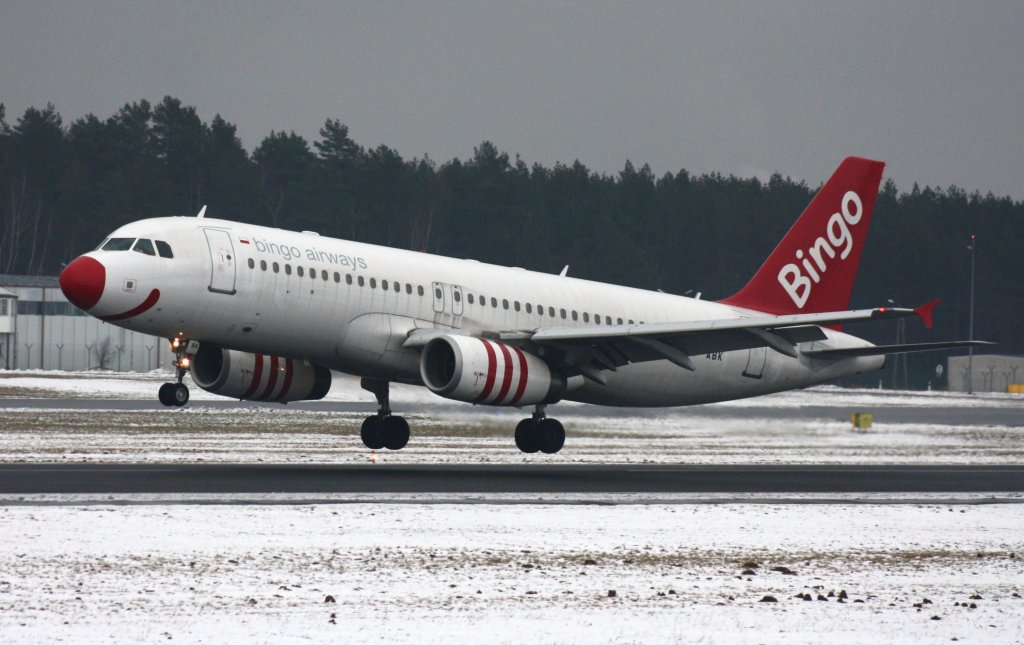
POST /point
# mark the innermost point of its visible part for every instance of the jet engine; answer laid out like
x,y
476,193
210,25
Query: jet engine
x,y
257,377
477,370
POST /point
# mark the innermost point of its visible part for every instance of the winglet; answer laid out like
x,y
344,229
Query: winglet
x,y
925,312
202,211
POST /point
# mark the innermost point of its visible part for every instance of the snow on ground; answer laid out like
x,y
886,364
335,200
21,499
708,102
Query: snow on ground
x,y
531,573
771,429
143,385
85,570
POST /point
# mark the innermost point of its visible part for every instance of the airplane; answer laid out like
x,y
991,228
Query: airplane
x,y
265,314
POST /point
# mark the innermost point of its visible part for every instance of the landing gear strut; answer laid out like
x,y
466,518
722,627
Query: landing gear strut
x,y
540,433
176,393
383,430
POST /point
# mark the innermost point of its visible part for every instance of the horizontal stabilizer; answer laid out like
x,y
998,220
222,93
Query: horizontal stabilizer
x,y
877,350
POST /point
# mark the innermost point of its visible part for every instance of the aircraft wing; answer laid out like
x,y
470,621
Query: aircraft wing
x,y
589,350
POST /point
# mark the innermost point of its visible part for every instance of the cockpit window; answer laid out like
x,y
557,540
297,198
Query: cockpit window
x,y
145,247
102,244
164,248
118,244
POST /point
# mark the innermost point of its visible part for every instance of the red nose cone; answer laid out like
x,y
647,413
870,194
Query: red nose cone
x,y
82,282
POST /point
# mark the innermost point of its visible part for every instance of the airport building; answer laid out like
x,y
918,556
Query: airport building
x,y
991,373
40,329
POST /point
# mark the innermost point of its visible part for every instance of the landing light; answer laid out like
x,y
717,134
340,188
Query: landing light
x,y
184,362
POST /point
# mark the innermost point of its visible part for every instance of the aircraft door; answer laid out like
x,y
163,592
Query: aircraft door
x,y
438,290
756,359
457,300
222,260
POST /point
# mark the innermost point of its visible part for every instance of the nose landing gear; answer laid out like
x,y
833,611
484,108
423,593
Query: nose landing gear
x,y
540,433
383,430
176,393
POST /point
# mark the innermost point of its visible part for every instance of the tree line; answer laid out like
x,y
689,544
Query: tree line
x,y
64,186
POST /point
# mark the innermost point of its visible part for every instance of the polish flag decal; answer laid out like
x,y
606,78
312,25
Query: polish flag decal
x,y
243,240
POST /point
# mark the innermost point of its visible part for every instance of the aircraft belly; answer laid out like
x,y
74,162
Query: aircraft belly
x,y
664,384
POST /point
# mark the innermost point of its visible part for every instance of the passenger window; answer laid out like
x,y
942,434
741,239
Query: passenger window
x,y
384,285
373,283
312,273
419,289
515,305
586,317
252,263
551,311
494,302
337,277
277,268
437,293
469,298
145,247
361,281
408,288
323,275
119,244
529,308
263,265
630,322
348,278
457,295
504,304
562,312
575,316
164,248
608,320
298,271
288,269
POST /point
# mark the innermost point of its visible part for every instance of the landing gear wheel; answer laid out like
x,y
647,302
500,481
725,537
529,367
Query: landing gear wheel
x,y
164,394
395,432
372,433
551,436
178,394
526,436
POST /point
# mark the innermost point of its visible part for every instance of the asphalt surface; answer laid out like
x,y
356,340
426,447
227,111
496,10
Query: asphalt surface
x,y
22,479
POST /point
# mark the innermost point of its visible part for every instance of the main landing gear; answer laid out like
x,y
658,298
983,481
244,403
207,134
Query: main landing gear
x,y
540,433
176,393
383,430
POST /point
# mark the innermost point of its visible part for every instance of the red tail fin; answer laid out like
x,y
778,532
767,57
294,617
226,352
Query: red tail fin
x,y
813,268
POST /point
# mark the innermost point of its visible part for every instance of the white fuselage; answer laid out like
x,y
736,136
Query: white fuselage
x,y
239,286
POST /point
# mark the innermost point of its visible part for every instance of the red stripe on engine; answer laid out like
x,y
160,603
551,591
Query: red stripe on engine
x,y
492,371
288,372
257,374
506,379
524,373
271,381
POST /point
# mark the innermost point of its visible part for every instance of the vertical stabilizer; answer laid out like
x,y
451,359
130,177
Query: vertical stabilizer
x,y
813,267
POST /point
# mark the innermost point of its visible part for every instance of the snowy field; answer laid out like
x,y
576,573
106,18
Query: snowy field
x,y
524,574
163,568
445,432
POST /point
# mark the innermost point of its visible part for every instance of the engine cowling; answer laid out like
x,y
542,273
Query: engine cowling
x,y
477,370
257,377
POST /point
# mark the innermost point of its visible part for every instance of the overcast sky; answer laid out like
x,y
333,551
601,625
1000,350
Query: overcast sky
x,y
935,89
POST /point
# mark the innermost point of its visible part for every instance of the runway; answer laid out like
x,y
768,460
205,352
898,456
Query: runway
x,y
384,479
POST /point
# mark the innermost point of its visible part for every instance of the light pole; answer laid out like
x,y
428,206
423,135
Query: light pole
x,y
970,330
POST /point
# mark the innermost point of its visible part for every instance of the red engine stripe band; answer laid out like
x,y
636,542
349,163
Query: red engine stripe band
x,y
506,378
257,374
524,373
288,372
492,371
271,381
